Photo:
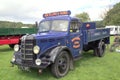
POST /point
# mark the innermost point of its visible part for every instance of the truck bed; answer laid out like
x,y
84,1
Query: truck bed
x,y
95,34
16,31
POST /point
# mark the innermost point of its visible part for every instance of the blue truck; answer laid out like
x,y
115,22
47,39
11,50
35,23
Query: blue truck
x,y
60,41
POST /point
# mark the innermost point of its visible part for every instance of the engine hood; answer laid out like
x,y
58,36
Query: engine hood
x,y
48,40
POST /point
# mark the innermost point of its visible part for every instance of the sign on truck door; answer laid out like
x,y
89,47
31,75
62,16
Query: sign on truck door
x,y
75,38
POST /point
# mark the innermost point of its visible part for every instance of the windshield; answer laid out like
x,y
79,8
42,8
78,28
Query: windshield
x,y
55,25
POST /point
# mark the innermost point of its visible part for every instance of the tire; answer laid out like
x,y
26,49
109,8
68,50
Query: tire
x,y
11,45
101,49
61,65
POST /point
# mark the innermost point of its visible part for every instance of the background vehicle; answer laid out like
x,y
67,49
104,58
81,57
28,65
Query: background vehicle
x,y
116,44
11,36
114,29
60,40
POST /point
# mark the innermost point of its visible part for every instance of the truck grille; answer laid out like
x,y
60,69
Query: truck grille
x,y
27,51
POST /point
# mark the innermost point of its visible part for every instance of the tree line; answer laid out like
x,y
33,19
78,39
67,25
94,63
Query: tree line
x,y
8,24
112,16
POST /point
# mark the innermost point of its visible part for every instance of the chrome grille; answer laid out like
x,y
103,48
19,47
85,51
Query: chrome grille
x,y
27,50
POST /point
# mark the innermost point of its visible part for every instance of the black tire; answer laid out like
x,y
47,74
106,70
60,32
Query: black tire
x,y
101,49
61,65
11,45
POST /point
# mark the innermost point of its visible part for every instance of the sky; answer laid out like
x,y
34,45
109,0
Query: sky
x,y
29,11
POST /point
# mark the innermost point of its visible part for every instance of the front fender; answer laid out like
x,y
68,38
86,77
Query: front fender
x,y
53,54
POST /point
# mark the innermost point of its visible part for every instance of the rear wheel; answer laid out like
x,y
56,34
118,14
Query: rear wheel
x,y
61,65
100,50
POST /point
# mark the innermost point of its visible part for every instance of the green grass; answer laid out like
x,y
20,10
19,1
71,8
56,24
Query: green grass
x,y
87,68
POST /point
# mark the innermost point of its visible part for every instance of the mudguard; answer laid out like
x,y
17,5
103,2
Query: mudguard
x,y
53,54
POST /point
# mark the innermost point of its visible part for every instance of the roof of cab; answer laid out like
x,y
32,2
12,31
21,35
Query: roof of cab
x,y
60,18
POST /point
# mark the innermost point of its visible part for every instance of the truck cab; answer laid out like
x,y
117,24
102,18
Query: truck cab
x,y
60,31
59,41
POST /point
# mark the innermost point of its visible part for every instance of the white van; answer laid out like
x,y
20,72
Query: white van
x,y
114,29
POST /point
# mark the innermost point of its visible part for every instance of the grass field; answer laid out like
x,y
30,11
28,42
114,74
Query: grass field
x,y
87,68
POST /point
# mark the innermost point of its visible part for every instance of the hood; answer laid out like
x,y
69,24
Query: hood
x,y
48,40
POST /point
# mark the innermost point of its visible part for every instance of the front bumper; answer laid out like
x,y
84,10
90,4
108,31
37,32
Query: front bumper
x,y
24,63
42,66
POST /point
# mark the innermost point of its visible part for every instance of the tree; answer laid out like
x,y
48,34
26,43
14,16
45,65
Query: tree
x,y
83,16
7,24
99,24
113,16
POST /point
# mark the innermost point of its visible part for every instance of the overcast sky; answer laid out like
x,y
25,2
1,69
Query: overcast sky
x,y
29,11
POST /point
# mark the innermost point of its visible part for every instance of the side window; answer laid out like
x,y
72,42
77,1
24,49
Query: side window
x,y
74,26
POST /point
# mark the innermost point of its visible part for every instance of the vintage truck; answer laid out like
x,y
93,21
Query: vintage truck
x,y
11,36
60,41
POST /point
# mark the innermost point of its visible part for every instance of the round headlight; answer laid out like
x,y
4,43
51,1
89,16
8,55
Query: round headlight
x,y
13,59
16,48
38,62
36,49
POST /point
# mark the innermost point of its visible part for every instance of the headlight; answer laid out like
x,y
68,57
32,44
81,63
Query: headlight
x,y
36,49
13,59
16,48
38,62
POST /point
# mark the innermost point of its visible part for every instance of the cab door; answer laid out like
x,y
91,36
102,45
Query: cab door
x,y
75,38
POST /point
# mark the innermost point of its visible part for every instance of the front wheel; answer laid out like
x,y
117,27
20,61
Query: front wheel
x,y
61,65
